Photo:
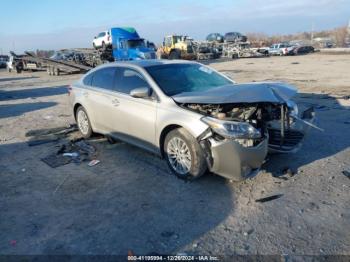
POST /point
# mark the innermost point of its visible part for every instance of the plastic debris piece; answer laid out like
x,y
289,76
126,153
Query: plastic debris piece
x,y
55,160
74,154
94,162
269,198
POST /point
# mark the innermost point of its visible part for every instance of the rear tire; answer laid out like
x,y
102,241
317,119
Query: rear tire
x,y
83,122
184,155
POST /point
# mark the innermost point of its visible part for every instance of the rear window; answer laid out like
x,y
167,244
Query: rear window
x,y
87,80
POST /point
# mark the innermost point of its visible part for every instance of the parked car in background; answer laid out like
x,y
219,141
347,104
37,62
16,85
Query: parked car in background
x,y
102,40
215,37
301,50
194,117
3,61
280,49
235,37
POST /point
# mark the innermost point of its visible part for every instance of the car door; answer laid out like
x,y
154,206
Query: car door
x,y
134,118
101,98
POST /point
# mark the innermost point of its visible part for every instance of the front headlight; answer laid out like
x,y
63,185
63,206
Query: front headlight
x,y
232,129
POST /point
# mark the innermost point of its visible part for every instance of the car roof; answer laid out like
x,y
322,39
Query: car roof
x,y
149,62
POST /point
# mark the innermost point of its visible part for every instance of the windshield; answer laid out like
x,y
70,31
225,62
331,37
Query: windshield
x,y
136,43
174,79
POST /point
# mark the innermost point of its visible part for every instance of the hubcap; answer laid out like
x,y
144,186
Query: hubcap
x,y
83,122
179,155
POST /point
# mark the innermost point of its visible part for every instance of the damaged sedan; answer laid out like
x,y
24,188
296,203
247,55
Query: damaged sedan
x,y
196,118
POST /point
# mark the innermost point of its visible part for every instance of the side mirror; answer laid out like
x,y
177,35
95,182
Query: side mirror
x,y
140,92
95,37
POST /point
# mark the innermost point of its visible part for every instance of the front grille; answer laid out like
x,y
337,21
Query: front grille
x,y
291,139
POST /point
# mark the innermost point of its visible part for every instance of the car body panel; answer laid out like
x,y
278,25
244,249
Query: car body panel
x,y
233,161
240,93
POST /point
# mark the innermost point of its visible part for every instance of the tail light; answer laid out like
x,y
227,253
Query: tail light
x,y
109,38
69,88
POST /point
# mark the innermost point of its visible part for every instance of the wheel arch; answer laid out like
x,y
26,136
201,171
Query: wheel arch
x,y
76,106
163,134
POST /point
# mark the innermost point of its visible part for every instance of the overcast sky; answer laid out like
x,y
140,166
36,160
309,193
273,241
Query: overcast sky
x,y
56,24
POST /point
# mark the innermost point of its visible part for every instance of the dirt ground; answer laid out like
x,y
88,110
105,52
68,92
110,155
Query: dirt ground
x,y
130,201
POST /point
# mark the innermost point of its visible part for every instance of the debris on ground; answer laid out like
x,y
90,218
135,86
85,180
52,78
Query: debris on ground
x,y
76,150
74,154
250,231
288,171
41,141
269,198
55,131
93,162
48,135
346,173
55,160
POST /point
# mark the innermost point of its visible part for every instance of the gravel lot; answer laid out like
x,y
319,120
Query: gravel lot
x,y
130,201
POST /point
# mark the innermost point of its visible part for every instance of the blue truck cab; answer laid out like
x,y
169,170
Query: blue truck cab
x,y
127,45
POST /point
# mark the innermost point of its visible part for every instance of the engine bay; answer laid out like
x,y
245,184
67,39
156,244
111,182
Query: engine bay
x,y
257,114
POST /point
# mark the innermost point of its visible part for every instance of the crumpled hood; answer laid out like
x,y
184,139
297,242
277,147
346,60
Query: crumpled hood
x,y
240,93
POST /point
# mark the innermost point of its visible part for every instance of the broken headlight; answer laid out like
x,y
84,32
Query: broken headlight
x,y
232,129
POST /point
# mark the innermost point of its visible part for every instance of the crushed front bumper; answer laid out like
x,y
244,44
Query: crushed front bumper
x,y
234,161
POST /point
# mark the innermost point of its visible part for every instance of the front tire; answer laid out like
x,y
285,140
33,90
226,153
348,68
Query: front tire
x,y
83,122
184,155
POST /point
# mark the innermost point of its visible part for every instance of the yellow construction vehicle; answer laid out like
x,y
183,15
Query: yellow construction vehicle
x,y
177,47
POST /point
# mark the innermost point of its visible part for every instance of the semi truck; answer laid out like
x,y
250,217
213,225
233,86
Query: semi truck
x,y
125,44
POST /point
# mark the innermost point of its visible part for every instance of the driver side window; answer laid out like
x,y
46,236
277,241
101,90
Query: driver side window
x,y
129,79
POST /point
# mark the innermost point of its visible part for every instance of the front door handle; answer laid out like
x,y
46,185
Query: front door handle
x,y
85,93
115,102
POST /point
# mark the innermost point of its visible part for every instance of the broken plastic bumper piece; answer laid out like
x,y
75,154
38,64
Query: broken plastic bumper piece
x,y
235,161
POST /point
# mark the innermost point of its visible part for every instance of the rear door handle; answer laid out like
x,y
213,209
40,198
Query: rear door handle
x,y
115,102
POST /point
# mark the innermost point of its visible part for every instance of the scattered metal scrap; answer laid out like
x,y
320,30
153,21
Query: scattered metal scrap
x,y
48,135
269,198
76,151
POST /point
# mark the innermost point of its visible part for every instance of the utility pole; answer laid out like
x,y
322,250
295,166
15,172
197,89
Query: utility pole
x,y
312,32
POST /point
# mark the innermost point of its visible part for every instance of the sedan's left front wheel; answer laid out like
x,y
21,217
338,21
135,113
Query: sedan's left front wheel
x,y
83,122
184,155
